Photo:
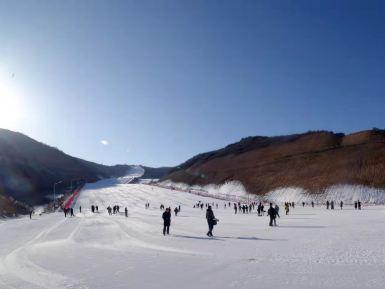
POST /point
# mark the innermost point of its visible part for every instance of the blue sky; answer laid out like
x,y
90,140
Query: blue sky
x,y
160,81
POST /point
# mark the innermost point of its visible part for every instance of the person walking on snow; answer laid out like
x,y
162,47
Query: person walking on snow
x,y
277,210
341,204
273,214
211,220
80,209
126,212
287,208
166,221
176,211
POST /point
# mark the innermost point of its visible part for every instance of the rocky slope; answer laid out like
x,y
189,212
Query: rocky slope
x,y
312,161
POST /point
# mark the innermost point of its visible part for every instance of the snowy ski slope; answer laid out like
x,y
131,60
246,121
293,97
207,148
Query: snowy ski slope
x,y
311,248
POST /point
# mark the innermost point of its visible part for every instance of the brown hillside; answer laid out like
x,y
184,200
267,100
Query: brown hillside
x,y
312,161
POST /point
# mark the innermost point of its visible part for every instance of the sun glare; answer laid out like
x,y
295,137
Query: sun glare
x,y
10,105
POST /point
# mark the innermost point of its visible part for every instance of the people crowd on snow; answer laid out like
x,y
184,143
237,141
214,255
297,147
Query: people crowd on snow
x,y
238,207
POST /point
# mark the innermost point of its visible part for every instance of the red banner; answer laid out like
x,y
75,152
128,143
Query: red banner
x,y
72,198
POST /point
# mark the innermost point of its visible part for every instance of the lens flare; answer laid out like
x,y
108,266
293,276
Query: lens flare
x,y
10,106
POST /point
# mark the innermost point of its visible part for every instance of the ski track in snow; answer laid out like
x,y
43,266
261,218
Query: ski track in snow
x,y
311,248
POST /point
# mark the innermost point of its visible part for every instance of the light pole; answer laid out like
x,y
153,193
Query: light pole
x,y
54,194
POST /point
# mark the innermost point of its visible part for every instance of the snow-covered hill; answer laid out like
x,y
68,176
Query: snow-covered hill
x,y
311,247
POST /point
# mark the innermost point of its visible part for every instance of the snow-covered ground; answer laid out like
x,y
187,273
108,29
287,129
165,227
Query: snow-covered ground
x,y
311,248
236,191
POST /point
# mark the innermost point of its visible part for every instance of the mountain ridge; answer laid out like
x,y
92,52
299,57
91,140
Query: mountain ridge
x,y
313,161
29,168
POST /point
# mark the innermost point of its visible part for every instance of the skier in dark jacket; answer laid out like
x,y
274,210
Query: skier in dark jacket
x,y
211,221
166,221
273,214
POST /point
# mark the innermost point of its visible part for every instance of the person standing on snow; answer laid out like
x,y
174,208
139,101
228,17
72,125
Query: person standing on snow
x,y
126,212
273,214
166,221
287,208
211,220
176,211
277,210
80,209
341,204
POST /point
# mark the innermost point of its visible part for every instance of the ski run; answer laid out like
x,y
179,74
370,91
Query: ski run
x,y
310,247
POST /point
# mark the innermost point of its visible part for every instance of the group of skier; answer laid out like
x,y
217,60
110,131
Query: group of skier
x,y
93,209
210,217
67,211
114,210
272,212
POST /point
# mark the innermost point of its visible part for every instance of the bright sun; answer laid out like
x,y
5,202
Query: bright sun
x,y
10,105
